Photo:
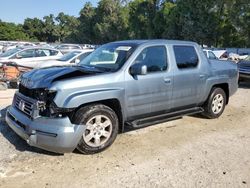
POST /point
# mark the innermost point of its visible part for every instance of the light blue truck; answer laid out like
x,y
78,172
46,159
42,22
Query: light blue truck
x,y
127,83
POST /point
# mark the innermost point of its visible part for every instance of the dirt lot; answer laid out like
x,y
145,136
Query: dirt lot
x,y
189,152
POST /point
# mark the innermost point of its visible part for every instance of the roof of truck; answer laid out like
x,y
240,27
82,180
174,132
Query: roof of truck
x,y
139,42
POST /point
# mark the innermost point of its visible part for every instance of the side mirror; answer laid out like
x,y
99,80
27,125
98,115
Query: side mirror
x,y
138,69
77,61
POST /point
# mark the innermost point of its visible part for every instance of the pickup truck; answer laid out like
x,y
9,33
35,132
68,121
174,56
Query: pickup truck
x,y
127,83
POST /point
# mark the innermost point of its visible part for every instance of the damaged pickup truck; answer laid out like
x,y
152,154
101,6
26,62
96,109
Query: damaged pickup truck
x,y
127,83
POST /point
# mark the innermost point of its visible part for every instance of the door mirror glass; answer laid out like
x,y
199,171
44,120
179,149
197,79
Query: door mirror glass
x,y
138,69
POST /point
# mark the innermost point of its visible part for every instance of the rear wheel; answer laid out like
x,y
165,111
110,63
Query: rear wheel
x,y
215,105
101,128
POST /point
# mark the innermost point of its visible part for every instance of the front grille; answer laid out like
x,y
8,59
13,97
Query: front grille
x,y
37,93
24,105
32,93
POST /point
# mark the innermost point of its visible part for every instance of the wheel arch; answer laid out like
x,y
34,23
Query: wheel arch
x,y
112,103
225,87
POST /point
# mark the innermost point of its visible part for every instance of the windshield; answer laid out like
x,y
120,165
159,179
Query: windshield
x,y
69,56
109,57
10,52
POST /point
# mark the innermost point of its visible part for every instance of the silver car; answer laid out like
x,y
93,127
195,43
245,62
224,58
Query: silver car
x,y
66,48
30,56
70,58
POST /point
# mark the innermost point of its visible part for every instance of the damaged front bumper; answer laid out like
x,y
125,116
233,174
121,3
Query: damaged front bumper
x,y
53,134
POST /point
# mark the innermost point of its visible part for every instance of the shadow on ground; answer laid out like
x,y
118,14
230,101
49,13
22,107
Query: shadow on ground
x,y
15,140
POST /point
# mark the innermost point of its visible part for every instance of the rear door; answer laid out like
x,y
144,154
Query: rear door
x,y
187,77
150,93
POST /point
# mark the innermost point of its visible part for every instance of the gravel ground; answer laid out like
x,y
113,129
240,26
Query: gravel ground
x,y
188,152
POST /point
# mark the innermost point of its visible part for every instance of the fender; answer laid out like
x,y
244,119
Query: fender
x,y
79,98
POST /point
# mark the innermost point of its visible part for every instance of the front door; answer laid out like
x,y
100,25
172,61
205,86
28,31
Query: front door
x,y
150,93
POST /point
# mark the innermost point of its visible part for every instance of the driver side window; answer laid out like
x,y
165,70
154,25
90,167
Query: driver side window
x,y
155,58
26,54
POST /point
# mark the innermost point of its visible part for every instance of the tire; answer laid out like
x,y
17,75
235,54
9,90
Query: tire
x,y
101,128
215,104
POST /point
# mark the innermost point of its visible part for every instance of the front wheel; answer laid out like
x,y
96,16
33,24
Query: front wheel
x,y
215,105
101,128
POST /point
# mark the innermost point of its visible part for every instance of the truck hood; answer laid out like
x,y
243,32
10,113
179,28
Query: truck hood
x,y
43,78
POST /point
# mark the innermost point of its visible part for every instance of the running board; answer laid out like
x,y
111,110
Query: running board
x,y
144,122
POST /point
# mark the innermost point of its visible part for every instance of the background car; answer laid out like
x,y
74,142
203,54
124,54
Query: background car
x,y
67,59
221,54
209,54
30,56
66,48
244,69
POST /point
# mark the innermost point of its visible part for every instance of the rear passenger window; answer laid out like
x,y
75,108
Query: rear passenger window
x,y
186,57
53,52
154,57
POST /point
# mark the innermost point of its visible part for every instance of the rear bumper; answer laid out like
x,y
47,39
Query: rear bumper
x,y
53,134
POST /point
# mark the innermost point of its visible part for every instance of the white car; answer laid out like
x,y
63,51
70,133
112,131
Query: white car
x,y
209,54
67,59
30,56
66,48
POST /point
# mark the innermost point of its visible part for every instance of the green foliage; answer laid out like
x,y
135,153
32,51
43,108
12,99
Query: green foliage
x,y
33,28
222,23
110,23
66,26
85,31
11,31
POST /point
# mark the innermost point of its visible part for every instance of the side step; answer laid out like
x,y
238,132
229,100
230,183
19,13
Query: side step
x,y
144,122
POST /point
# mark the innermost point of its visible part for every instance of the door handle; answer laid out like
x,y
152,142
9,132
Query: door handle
x,y
202,76
167,80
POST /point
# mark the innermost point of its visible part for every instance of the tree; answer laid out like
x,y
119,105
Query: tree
x,y
142,14
85,31
66,26
196,21
111,23
49,30
33,28
165,21
11,31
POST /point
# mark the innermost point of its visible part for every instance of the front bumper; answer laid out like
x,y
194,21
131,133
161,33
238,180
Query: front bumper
x,y
58,135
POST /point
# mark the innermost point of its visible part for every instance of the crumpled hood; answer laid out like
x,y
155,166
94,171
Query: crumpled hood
x,y
43,78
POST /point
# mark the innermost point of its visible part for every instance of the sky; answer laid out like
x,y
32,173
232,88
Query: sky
x,y
17,10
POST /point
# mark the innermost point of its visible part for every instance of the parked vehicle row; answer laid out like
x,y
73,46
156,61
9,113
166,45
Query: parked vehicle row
x,y
224,55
